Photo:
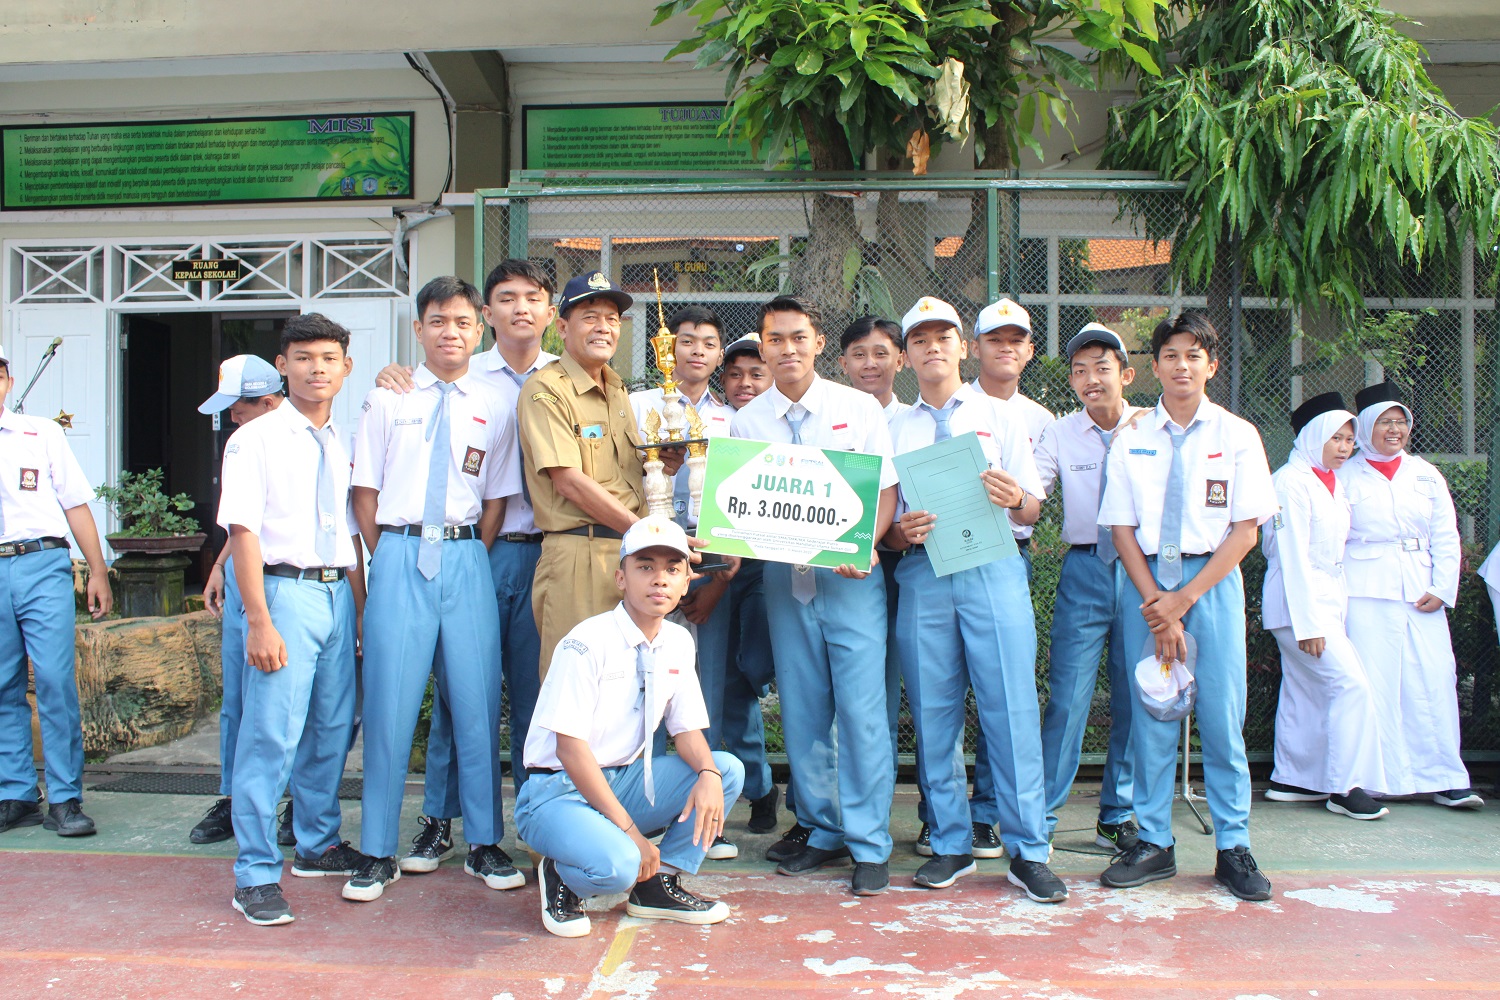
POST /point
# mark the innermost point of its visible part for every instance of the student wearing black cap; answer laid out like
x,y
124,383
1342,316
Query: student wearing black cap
x,y
1327,736
1403,564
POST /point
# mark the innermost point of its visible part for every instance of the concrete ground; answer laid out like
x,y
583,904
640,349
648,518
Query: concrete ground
x,y
1407,906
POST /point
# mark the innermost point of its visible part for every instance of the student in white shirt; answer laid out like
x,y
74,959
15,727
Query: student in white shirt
x,y
1087,615
1327,730
870,355
285,505
1187,487
44,495
595,787
432,470
828,627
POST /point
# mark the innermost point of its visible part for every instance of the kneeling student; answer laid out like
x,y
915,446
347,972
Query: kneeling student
x,y
592,786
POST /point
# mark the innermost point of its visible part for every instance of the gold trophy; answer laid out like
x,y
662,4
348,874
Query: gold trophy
x,y
676,424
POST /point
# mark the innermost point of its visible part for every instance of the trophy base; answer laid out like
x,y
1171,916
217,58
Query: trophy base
x,y
672,444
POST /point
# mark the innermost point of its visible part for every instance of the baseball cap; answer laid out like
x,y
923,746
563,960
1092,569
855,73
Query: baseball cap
x,y
748,344
244,376
654,531
929,310
594,285
1094,333
4,358
1006,312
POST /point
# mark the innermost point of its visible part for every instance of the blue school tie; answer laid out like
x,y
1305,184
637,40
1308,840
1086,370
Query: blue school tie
x,y
1169,545
520,380
435,505
795,423
681,495
940,417
645,665
804,583
325,540
1105,549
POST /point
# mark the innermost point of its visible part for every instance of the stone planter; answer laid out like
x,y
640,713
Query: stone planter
x,y
149,573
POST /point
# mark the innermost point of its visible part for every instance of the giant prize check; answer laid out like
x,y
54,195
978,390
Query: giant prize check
x,y
789,503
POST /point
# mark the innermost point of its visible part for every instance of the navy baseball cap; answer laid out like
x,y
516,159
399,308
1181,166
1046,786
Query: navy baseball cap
x,y
594,285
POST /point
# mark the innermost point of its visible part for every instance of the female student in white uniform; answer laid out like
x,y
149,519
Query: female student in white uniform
x,y
1327,735
1402,570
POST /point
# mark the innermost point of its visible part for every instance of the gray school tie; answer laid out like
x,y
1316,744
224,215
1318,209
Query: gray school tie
x,y
681,493
645,665
326,540
1105,549
1169,546
940,417
520,380
435,504
804,582
795,422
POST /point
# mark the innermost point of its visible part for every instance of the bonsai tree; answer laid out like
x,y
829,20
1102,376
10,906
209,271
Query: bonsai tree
x,y
144,510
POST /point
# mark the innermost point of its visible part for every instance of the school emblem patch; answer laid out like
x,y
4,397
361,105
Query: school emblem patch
x,y
1218,493
473,459
29,480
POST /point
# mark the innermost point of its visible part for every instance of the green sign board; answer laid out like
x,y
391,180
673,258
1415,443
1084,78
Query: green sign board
x,y
613,137
209,161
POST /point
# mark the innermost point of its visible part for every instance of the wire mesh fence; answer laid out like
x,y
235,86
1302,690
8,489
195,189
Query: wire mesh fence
x,y
1072,251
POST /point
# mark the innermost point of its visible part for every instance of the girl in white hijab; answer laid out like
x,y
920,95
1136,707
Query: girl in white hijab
x,y
1327,739
1402,571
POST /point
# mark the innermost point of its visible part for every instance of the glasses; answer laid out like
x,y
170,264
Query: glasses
x,y
1392,423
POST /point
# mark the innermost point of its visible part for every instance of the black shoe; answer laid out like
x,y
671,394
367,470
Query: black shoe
x,y
371,879
562,910
1357,804
1279,792
1236,870
263,905
432,844
215,824
340,859
1458,798
1116,836
763,811
811,859
19,812
923,844
490,863
68,820
791,843
285,836
871,878
1145,862
662,898
943,870
722,850
1038,881
987,842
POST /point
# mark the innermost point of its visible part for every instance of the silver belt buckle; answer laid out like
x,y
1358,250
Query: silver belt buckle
x,y
10,549
1410,544
328,575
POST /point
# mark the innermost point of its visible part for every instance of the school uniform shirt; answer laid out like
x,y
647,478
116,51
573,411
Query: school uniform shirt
x,y
1403,535
1070,451
594,691
270,488
393,452
1001,437
895,408
1304,548
1034,417
491,369
39,478
1226,475
837,418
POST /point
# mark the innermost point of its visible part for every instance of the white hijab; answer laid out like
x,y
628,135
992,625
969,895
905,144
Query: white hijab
x,y
1364,428
1315,434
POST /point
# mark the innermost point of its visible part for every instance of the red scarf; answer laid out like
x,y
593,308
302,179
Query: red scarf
x,y
1387,468
1325,477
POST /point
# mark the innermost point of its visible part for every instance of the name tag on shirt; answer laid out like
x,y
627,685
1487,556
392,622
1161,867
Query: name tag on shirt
x,y
408,421
1143,451
1084,468
592,432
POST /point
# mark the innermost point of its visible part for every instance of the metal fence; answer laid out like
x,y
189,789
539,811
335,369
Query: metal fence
x,y
1071,250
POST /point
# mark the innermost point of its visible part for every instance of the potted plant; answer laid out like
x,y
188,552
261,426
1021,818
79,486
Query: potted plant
x,y
153,546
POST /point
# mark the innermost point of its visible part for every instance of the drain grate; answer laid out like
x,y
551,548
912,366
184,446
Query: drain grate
x,y
160,783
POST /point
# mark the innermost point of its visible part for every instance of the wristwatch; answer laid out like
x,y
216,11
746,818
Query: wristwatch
x,y
1024,497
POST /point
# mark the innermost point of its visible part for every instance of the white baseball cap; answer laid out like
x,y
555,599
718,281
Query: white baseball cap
x,y
4,358
1006,312
244,376
654,531
1094,333
930,310
748,344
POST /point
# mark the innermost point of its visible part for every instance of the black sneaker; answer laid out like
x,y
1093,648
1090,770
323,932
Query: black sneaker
x,y
340,859
763,811
811,859
431,846
1458,798
1279,792
371,879
215,824
490,863
923,843
1236,871
1145,862
792,843
660,897
1116,836
722,850
1357,804
68,820
17,813
1038,881
263,905
987,842
943,870
871,878
562,910
285,835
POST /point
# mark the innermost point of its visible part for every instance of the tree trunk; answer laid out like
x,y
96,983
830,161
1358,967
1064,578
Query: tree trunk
x,y
818,275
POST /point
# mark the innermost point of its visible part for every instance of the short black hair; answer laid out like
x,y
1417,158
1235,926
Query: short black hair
x,y
444,288
696,315
309,327
515,267
790,303
866,325
1191,322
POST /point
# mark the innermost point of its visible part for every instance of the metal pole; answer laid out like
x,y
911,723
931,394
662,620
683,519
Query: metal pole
x,y
1236,327
992,244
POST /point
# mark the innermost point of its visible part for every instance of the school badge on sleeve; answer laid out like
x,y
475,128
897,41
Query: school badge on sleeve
x,y
473,459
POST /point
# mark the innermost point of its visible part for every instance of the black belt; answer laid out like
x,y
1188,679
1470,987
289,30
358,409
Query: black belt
x,y
8,549
536,772
522,537
455,533
318,574
1092,548
592,531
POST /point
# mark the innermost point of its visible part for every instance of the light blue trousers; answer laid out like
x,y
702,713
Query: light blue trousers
x,y
1086,617
747,677
299,716
409,619
232,666
594,856
1217,622
830,667
975,628
36,620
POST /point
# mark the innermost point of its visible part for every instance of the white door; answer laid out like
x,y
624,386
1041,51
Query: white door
x,y
371,326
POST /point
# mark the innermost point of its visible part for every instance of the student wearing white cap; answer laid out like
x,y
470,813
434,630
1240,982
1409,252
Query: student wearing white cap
x,y
595,784
1404,556
44,496
1327,730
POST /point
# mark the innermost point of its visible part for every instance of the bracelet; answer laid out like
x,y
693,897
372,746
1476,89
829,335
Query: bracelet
x,y
629,828
710,770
